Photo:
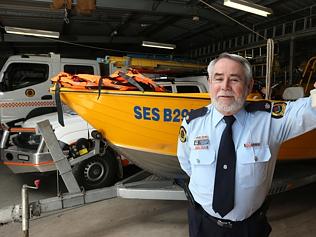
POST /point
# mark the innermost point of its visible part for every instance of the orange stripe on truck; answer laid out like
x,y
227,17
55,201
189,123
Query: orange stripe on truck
x,y
27,164
22,130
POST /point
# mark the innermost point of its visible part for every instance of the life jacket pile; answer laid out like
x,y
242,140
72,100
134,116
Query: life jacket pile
x,y
132,80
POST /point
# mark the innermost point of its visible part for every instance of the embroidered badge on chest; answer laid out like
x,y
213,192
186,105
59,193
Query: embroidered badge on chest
x,y
278,109
201,142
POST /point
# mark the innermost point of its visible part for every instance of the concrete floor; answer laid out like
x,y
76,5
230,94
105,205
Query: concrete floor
x,y
291,214
11,184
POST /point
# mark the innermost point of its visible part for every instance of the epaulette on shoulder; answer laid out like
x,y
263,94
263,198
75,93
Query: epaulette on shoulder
x,y
263,105
195,114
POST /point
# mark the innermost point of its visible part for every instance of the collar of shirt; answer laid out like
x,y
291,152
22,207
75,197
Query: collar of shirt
x,y
217,116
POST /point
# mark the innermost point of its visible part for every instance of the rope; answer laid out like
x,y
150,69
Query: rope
x,y
269,67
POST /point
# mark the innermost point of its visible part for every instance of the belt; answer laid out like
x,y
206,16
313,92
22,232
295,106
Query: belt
x,y
227,223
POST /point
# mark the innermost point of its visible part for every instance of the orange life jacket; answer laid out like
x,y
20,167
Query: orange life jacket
x,y
114,82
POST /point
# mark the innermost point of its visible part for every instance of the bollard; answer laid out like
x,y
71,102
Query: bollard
x,y
26,208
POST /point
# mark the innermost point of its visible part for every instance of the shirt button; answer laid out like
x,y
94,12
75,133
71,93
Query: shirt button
x,y
225,167
256,158
197,160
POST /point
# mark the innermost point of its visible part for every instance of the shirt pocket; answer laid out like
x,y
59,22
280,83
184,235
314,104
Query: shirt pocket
x,y
202,163
202,157
253,166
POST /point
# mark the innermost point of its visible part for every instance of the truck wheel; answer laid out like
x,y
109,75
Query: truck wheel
x,y
97,172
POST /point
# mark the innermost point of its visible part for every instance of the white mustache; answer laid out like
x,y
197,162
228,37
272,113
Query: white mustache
x,y
228,93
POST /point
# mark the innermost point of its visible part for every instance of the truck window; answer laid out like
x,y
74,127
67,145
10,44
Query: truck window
x,y
78,69
168,88
20,75
188,89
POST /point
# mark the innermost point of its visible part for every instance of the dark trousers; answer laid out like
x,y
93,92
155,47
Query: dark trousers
x,y
203,225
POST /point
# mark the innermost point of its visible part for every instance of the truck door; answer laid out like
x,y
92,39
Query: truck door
x,y
24,87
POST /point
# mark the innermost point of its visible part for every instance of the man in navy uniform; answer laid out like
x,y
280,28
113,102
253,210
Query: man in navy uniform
x,y
229,150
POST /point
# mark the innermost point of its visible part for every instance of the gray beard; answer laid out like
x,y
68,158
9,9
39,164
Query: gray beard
x,y
234,107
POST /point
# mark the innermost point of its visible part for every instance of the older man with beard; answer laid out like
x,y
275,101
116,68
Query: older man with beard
x,y
229,150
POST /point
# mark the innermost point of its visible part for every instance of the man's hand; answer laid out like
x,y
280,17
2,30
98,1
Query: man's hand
x,y
315,84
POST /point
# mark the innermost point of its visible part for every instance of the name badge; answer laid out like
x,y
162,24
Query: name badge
x,y
201,142
249,145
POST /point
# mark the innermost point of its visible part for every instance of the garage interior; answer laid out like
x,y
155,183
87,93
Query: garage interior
x,y
199,30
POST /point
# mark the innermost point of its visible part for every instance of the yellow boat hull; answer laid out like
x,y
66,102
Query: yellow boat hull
x,y
143,126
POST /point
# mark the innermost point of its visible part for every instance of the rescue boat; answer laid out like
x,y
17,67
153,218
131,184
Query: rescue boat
x,y
143,126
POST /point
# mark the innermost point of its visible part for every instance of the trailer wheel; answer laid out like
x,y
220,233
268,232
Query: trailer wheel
x,y
97,172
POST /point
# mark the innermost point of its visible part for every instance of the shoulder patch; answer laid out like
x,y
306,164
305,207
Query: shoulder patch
x,y
278,109
195,114
263,105
182,134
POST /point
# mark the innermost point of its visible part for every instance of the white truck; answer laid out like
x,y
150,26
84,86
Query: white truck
x,y
24,151
24,84
24,94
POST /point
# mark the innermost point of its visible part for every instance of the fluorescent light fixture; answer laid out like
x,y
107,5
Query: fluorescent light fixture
x,y
158,45
32,32
248,7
